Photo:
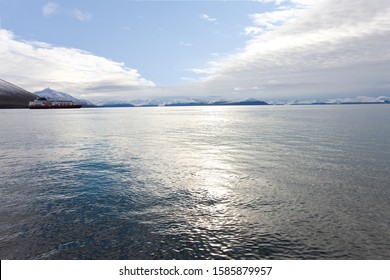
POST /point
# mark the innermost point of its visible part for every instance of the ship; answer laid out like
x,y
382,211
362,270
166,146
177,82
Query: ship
x,y
43,103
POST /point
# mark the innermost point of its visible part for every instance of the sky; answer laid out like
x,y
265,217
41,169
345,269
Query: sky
x,y
264,49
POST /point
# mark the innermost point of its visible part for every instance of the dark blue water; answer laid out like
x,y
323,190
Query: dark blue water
x,y
275,182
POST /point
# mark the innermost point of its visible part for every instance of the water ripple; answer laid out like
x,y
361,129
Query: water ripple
x,y
196,183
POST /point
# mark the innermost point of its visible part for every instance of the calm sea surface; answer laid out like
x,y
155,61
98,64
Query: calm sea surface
x,y
262,182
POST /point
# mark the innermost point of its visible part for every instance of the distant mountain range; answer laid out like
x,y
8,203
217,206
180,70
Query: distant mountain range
x,y
247,102
337,101
177,102
12,96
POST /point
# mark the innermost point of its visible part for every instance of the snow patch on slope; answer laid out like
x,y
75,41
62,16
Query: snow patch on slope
x,y
51,94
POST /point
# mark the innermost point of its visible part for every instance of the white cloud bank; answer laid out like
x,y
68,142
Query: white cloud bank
x,y
309,48
36,65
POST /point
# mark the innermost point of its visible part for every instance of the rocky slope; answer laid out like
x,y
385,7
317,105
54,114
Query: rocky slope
x,y
12,96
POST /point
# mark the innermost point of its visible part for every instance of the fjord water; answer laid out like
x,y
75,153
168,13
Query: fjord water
x,y
261,182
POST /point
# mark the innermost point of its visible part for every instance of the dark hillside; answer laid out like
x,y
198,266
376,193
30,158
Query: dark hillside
x,y
12,96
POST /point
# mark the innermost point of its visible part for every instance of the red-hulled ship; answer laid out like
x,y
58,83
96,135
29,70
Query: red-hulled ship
x,y
43,103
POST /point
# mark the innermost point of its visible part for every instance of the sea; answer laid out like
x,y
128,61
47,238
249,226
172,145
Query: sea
x,y
213,182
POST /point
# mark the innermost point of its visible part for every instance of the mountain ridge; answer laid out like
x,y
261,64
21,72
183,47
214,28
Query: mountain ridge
x,y
13,96
52,94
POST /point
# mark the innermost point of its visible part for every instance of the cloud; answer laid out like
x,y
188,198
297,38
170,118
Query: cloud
x,y
276,2
50,9
301,3
36,65
202,70
81,16
185,44
330,47
270,20
207,18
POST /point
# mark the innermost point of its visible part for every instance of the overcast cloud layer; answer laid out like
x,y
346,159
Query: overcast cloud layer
x,y
310,49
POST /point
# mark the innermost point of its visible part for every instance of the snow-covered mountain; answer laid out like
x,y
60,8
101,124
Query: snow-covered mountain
x,y
51,94
177,101
12,96
330,101
359,99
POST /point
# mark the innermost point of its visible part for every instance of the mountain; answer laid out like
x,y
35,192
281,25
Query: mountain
x,y
178,101
12,96
339,101
51,94
117,104
248,102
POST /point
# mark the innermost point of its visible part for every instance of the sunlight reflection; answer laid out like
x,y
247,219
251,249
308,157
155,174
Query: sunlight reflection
x,y
215,192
